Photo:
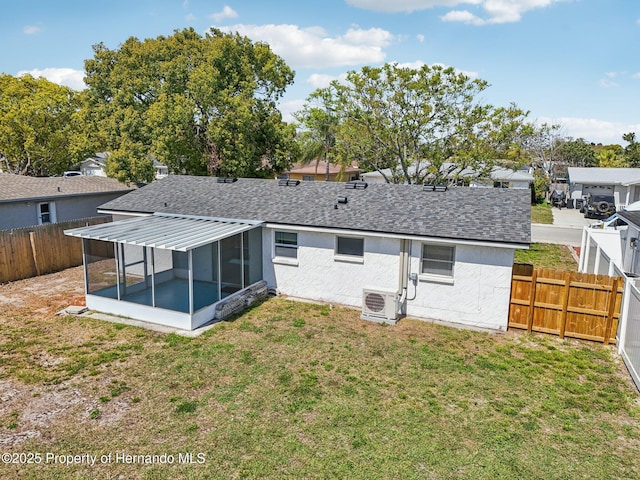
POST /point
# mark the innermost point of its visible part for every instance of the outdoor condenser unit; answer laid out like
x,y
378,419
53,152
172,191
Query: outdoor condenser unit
x,y
380,305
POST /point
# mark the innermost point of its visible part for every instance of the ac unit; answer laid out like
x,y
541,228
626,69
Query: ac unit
x,y
380,305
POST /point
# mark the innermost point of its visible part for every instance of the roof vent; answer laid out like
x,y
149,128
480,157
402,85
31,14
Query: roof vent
x,y
342,199
356,185
429,187
226,179
288,183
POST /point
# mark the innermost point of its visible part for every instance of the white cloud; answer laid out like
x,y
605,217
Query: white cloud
x,y
30,29
226,12
287,109
497,11
420,38
314,48
593,130
636,76
62,76
190,17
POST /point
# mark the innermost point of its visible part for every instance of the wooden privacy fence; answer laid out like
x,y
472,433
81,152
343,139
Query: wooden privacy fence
x,y
28,252
568,304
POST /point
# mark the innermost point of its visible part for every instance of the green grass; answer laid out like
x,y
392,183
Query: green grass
x,y
541,213
295,390
547,255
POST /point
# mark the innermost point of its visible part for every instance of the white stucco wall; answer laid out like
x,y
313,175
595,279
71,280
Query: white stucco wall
x,y
477,296
319,275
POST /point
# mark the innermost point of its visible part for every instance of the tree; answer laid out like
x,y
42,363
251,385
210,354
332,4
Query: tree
x,y
419,123
611,156
576,153
36,126
201,105
631,151
319,123
542,144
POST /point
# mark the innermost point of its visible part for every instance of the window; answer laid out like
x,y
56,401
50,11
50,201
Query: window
x,y
309,178
46,213
438,260
350,246
286,244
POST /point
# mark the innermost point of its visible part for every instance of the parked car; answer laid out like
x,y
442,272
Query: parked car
x,y
558,198
598,206
614,221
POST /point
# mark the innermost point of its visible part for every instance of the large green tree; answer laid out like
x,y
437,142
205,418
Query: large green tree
x,y
631,151
421,124
576,153
202,105
36,126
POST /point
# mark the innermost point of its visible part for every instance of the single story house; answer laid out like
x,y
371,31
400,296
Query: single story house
x,y
28,201
181,247
96,165
318,173
499,177
622,183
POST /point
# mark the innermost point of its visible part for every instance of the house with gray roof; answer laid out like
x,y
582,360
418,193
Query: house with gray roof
x,y
622,183
184,250
28,201
96,166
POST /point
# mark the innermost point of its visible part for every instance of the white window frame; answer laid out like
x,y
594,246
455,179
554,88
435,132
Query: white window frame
x,y
346,257
285,260
51,213
436,277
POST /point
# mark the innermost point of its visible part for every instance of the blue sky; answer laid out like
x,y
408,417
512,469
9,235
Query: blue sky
x,y
572,62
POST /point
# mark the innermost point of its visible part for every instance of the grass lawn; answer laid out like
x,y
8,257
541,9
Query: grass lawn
x,y
541,213
295,390
547,255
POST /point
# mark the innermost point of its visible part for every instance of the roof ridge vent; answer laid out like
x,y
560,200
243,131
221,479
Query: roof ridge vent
x,y
226,179
356,185
430,187
283,182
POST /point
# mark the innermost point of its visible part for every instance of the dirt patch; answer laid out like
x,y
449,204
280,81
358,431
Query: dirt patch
x,y
47,293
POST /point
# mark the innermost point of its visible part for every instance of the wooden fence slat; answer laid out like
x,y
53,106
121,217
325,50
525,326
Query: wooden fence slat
x,y
532,300
568,304
612,305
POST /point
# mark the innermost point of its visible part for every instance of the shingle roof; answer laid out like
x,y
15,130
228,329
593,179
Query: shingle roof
x,y
630,216
20,187
479,214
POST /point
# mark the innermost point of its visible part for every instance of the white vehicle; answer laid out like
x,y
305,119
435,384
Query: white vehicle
x,y
614,221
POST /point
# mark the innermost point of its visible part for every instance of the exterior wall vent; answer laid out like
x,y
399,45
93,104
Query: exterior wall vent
x,y
380,305
356,185
342,199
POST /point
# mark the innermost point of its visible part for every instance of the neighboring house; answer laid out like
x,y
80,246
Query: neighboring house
x,y
27,201
498,177
318,173
185,243
501,177
96,165
622,183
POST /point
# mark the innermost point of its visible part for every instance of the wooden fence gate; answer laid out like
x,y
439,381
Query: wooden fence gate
x,y
568,304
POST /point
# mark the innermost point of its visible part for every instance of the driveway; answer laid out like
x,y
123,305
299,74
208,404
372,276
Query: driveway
x,y
566,229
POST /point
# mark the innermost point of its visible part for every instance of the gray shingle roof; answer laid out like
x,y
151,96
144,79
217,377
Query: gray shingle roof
x,y
480,214
20,187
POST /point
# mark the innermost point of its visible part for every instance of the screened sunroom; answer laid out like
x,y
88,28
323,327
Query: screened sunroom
x,y
169,269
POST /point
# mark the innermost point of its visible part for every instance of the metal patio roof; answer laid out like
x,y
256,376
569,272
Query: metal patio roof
x,y
163,231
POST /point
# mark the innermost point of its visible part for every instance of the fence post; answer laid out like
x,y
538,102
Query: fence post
x,y
565,303
610,311
532,299
34,251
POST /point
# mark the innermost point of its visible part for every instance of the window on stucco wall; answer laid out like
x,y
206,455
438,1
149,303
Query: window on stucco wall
x,y
438,260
